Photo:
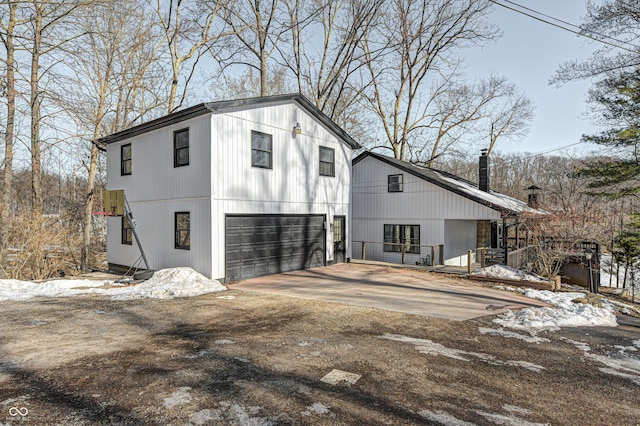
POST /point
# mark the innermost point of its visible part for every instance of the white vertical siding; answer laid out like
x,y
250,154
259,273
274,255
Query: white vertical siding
x,y
421,203
292,186
220,180
156,190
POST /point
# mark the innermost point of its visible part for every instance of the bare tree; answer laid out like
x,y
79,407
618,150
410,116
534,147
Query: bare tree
x,y
328,73
254,24
7,35
510,115
422,40
189,31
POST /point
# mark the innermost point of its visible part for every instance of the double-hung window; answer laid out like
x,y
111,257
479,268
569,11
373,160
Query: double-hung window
x,y
394,183
183,230
181,148
397,237
125,160
261,150
327,161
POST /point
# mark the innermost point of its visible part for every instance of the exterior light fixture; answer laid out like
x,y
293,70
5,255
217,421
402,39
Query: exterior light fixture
x,y
296,129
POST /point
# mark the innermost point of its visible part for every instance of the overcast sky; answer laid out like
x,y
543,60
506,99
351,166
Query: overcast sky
x,y
528,54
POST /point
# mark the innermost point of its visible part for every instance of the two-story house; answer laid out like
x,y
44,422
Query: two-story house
x,y
234,189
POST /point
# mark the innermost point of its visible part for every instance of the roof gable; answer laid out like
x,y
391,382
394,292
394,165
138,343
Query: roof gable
x,y
494,200
227,106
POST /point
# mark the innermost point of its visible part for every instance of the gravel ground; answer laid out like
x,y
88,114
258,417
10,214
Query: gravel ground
x,y
252,359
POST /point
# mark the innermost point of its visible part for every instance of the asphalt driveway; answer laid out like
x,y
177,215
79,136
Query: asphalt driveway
x,y
393,289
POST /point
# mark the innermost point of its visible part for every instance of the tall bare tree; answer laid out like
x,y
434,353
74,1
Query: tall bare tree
x,y
422,40
189,31
109,83
329,74
7,35
255,26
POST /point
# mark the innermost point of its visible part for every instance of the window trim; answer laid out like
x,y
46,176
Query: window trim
x,y
176,149
412,247
399,184
176,232
126,237
270,152
333,162
124,161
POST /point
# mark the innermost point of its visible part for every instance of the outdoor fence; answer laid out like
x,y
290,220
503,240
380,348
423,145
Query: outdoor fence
x,y
403,253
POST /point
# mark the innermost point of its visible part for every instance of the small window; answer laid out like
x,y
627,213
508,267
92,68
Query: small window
x,y
327,161
261,150
125,160
181,148
183,230
398,236
127,233
394,183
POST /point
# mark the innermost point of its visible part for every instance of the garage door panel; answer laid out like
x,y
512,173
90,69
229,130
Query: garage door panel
x,y
262,245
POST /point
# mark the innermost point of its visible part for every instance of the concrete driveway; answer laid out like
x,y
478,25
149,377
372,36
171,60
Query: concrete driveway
x,y
393,289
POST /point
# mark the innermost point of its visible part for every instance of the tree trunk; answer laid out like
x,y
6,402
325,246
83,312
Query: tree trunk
x,y
36,187
11,113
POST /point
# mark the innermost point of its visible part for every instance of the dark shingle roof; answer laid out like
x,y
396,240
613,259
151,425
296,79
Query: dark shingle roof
x,y
226,106
494,200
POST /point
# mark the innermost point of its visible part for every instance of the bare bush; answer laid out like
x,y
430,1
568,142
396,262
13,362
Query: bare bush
x,y
39,247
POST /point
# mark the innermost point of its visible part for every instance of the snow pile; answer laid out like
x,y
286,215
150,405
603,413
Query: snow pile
x,y
565,313
168,284
24,290
505,272
165,284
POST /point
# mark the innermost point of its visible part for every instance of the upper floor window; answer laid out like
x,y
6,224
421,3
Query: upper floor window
x,y
327,161
125,159
183,230
181,148
261,150
394,183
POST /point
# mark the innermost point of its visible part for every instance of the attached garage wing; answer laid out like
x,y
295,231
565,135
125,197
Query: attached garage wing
x,y
270,244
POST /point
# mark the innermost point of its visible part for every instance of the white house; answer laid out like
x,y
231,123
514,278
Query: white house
x,y
401,204
234,189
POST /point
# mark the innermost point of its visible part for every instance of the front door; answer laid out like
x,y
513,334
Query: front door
x,y
339,243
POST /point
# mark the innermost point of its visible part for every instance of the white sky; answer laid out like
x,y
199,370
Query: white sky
x,y
528,54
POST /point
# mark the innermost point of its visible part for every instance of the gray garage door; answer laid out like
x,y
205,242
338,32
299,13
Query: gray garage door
x,y
270,244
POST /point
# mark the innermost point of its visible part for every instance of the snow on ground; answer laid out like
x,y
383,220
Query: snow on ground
x,y
165,284
429,347
565,313
507,273
619,364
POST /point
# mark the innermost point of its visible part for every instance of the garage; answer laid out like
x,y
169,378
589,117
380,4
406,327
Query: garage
x,y
259,245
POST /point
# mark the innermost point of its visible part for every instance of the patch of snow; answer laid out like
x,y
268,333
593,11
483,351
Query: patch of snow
x,y
565,313
429,347
502,419
584,347
636,343
624,366
443,418
226,297
622,349
317,408
224,342
516,409
179,397
205,416
165,284
513,335
507,273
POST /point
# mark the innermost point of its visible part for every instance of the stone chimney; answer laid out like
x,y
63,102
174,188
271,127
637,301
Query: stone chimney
x,y
484,171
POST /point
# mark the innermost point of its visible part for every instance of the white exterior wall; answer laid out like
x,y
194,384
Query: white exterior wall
x,y
156,190
421,203
292,186
220,180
